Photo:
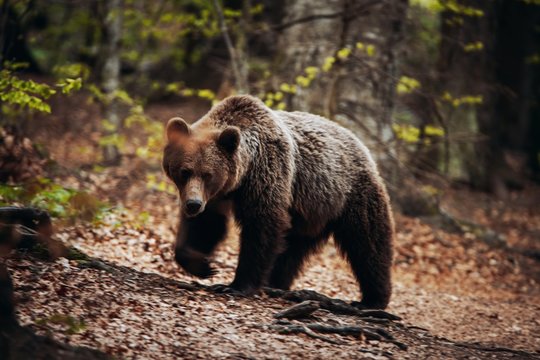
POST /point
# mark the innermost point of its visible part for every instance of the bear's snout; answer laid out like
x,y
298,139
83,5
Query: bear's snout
x,y
194,200
193,207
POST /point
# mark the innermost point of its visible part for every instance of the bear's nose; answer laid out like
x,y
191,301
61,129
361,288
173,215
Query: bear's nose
x,y
193,206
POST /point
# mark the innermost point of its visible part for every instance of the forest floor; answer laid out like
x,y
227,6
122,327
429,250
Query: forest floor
x,y
459,296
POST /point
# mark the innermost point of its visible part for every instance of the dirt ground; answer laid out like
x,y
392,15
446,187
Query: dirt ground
x,y
452,286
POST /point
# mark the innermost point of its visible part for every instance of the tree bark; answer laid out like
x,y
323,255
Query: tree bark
x,y
359,91
111,74
519,80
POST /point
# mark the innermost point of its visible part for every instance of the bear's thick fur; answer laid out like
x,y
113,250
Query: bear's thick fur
x,y
291,180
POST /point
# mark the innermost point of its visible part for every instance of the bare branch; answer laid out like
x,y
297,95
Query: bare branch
x,y
349,13
241,82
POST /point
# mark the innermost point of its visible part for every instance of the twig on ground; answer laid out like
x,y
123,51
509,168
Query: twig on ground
x,y
300,310
95,264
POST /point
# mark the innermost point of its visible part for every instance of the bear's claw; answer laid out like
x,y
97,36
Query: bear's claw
x,y
224,289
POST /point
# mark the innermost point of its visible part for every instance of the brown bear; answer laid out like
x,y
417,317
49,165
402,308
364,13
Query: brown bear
x,y
291,180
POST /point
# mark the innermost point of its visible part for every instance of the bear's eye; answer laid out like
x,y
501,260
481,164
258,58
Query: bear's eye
x,y
185,174
207,176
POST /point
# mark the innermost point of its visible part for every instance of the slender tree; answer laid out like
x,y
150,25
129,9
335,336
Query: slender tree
x,y
238,62
112,31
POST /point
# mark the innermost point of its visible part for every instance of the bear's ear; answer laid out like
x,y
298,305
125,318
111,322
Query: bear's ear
x,y
229,139
176,128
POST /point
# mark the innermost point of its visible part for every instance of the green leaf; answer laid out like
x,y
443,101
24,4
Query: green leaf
x,y
343,53
406,85
68,85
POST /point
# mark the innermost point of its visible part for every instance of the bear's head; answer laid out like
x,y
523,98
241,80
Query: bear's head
x,y
201,161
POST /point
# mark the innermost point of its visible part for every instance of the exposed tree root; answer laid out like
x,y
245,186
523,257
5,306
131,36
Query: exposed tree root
x,y
304,329
335,306
477,346
302,310
367,332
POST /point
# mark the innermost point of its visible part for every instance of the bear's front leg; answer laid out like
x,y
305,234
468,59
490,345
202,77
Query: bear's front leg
x,y
196,240
261,240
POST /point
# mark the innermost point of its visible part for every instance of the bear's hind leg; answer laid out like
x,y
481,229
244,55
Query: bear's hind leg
x,y
289,263
364,234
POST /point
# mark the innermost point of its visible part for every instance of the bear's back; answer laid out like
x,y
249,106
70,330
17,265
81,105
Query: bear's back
x,y
329,161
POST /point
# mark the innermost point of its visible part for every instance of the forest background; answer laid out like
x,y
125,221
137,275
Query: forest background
x,y
445,93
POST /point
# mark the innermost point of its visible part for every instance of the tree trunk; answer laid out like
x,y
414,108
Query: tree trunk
x,y
517,39
13,37
358,91
111,75
506,145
